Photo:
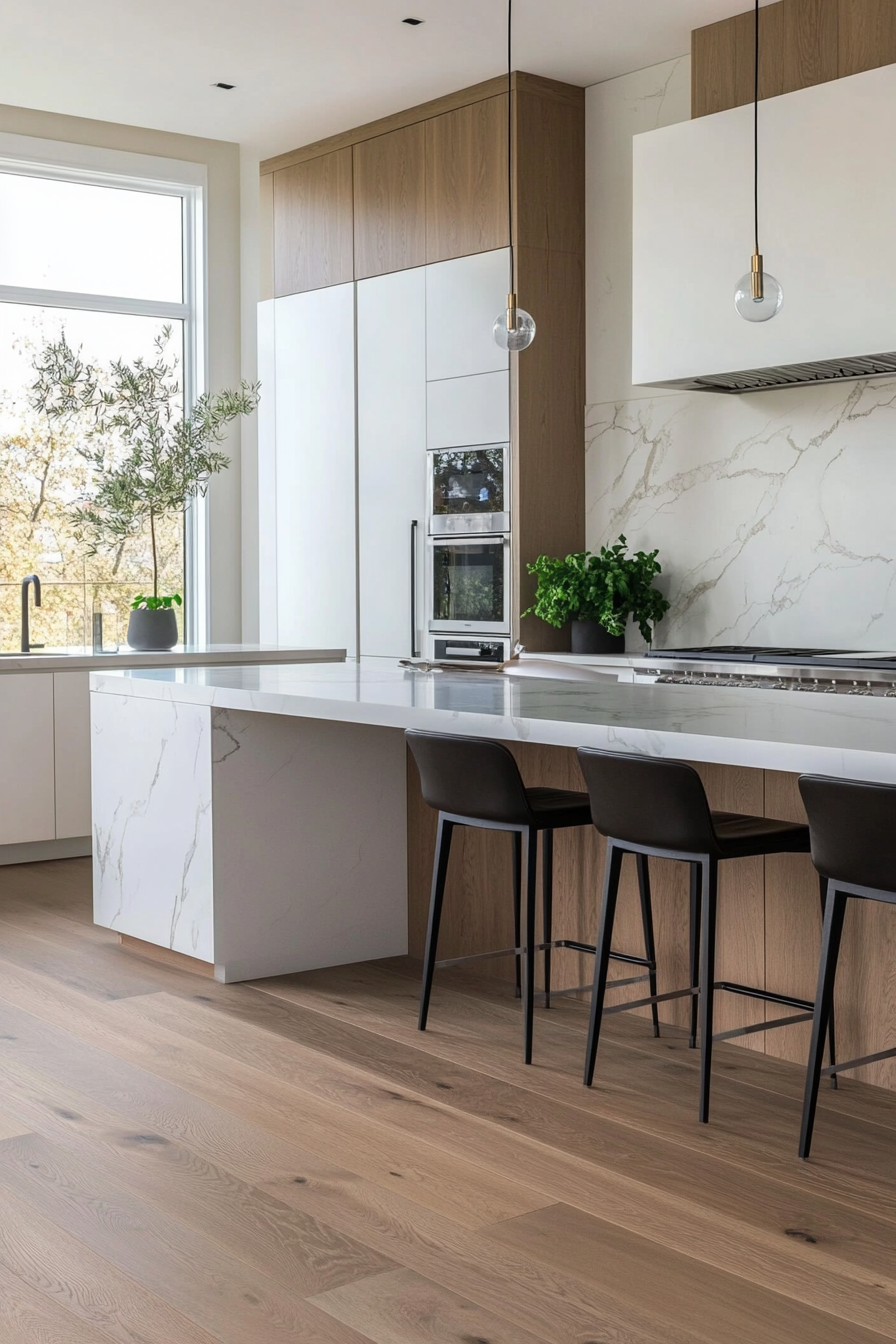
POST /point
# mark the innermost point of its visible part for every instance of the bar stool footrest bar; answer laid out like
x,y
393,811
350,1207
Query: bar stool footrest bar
x,y
855,1063
765,995
762,1026
651,998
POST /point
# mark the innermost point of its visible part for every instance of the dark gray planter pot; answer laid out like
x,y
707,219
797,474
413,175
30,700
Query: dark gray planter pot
x,y
152,631
591,637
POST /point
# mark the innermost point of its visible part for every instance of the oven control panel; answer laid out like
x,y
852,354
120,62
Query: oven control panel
x,y
448,649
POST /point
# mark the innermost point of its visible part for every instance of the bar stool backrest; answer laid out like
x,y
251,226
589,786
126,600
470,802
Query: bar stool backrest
x,y
647,801
470,777
852,828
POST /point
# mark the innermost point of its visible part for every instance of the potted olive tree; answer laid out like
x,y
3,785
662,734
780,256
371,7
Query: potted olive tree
x,y
147,458
597,594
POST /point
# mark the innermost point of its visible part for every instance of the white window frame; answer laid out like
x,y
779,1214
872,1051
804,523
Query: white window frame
x,y
92,166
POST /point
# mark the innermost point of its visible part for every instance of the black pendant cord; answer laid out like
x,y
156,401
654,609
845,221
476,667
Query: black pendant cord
x,y
510,139
756,131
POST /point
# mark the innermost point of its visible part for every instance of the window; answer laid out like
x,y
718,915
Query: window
x,y
110,261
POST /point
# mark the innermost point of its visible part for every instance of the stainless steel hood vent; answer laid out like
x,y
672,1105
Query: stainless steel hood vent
x,y
792,375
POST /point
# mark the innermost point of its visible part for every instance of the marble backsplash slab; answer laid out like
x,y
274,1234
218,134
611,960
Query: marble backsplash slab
x,y
774,513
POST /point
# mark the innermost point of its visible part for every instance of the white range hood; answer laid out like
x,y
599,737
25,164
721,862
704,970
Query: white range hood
x,y
827,231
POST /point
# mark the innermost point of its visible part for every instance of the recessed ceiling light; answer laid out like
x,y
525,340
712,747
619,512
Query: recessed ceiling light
x,y
221,85
414,23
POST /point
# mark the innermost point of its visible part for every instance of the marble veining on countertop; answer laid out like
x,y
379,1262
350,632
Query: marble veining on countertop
x,y
845,736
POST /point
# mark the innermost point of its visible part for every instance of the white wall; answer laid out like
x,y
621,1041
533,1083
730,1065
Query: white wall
x,y
221,160
772,511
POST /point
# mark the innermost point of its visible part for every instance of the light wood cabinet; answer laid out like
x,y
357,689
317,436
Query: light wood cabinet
x,y
466,180
27,787
390,202
313,224
803,42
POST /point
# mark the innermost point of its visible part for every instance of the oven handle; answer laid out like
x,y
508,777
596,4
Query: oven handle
x,y
415,652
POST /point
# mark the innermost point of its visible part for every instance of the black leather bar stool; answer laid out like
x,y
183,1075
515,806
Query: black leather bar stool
x,y
473,781
651,807
853,833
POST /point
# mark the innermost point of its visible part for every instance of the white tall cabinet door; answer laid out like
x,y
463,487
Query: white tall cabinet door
x,y
314,373
391,460
463,298
267,475
27,786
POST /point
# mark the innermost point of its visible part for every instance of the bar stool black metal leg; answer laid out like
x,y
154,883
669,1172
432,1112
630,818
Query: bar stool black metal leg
x,y
710,891
547,906
531,865
695,875
612,870
649,945
439,874
517,899
824,997
832,1050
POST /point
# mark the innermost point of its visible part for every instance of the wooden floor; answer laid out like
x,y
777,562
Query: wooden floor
x,y
183,1163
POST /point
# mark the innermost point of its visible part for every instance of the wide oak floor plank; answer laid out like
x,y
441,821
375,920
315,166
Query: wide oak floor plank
x,y
55,1264
406,1308
31,1317
199,1279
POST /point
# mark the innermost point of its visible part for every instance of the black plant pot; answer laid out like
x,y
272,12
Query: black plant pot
x,y
591,637
152,631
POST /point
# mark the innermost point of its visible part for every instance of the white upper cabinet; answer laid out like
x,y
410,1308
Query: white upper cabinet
x,y
463,299
314,336
462,411
391,460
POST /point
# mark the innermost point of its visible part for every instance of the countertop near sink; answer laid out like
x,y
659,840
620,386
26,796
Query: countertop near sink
x,y
182,655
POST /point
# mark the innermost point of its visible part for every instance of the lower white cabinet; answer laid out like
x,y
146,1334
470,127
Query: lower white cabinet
x,y
71,732
27,785
391,462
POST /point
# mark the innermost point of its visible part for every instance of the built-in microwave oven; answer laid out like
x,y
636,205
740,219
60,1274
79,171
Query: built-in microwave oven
x,y
468,489
468,585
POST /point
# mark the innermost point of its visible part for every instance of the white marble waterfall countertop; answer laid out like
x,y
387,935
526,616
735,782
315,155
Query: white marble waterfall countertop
x,y
850,737
182,655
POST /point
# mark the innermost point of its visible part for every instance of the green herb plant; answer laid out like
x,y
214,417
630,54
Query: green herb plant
x,y
607,588
147,458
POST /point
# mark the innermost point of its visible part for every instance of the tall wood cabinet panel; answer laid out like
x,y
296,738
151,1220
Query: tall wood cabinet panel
x,y
390,202
550,180
549,466
466,180
803,42
313,226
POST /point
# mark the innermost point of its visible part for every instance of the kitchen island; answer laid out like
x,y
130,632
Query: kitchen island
x,y
264,820
45,730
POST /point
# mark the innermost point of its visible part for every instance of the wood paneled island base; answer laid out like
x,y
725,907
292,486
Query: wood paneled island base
x,y
769,914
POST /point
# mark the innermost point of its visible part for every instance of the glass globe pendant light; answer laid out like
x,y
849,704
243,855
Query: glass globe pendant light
x,y
514,329
758,295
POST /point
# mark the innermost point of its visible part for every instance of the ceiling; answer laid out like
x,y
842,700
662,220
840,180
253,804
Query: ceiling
x,y
304,69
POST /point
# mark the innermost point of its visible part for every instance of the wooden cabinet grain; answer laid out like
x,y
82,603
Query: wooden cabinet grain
x,y
390,202
313,228
803,42
466,180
